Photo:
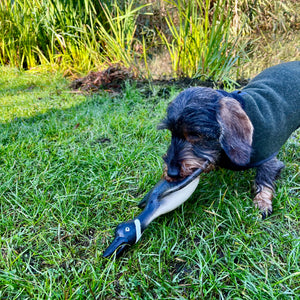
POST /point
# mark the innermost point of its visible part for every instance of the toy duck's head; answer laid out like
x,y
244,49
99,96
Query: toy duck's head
x,y
126,234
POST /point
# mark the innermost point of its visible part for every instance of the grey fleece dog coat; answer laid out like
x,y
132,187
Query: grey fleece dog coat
x,y
272,102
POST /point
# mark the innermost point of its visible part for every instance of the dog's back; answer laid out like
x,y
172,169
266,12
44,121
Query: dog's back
x,y
272,102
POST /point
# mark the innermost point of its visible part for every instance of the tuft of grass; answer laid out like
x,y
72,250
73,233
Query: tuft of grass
x,y
119,39
73,167
201,46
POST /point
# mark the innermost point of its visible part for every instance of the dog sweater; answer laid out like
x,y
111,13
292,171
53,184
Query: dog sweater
x,y
272,102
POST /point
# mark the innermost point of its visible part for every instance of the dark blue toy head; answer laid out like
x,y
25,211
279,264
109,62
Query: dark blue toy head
x,y
203,124
125,236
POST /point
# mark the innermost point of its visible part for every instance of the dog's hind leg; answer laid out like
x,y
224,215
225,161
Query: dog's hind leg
x,y
266,174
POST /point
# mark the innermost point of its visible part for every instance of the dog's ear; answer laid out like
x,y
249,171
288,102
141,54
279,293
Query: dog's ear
x,y
236,131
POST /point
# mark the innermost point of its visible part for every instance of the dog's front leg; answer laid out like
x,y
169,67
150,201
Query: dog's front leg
x,y
266,175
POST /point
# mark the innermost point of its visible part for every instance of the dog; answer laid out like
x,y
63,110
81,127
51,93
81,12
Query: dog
x,y
239,130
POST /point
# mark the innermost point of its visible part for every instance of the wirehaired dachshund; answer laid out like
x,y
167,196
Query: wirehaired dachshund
x,y
239,130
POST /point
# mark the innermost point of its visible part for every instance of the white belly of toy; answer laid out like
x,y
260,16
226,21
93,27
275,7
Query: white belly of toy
x,y
173,200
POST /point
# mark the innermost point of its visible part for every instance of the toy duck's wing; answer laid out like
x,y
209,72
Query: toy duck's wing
x,y
164,188
156,191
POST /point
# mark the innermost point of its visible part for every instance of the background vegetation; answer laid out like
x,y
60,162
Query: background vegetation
x,y
73,166
187,37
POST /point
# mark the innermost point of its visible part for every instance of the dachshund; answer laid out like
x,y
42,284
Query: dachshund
x,y
238,130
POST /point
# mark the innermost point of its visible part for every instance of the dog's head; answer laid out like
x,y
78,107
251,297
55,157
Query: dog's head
x,y
203,123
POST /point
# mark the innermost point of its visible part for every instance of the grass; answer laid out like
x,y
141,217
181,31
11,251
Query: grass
x,y
74,166
201,45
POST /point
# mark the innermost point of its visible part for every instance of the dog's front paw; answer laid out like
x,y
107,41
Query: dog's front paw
x,y
263,201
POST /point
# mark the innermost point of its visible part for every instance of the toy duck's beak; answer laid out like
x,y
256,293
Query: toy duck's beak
x,y
118,245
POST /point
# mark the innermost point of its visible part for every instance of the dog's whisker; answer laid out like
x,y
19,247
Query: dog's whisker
x,y
188,166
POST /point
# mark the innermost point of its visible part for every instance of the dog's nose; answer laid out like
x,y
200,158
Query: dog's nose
x,y
173,172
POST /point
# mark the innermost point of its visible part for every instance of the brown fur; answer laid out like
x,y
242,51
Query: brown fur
x,y
263,199
236,129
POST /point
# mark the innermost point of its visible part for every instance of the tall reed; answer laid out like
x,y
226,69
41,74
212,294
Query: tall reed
x,y
48,31
118,40
200,43
75,36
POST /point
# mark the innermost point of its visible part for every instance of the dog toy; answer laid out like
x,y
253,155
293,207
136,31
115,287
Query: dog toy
x,y
164,197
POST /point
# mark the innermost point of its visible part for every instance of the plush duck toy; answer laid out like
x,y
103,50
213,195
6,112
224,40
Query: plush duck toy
x,y
164,197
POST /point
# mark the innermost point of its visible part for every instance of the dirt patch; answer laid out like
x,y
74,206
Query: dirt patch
x,y
113,78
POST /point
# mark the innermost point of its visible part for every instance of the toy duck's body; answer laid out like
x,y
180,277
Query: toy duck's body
x,y
163,198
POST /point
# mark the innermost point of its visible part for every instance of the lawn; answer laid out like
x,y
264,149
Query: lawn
x,y
74,166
